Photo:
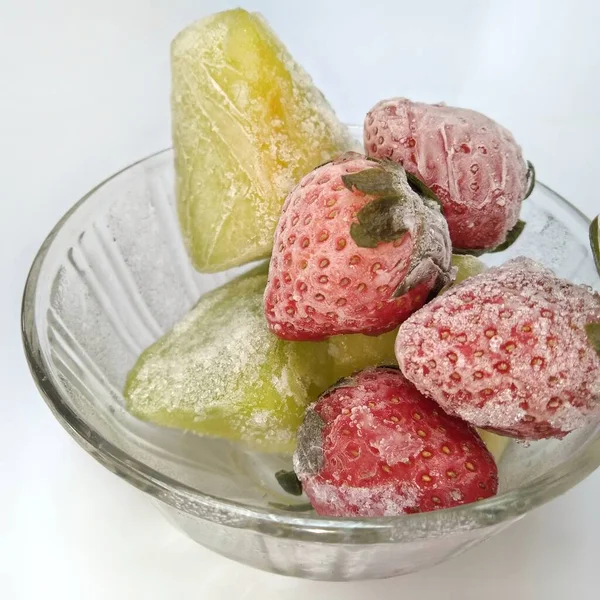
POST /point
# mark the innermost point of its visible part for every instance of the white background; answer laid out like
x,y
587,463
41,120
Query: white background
x,y
84,91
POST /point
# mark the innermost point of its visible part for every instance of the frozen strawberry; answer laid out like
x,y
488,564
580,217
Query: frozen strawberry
x,y
472,163
514,350
357,250
374,446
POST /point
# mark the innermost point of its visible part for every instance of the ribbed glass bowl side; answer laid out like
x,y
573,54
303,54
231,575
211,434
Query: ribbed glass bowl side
x,y
113,276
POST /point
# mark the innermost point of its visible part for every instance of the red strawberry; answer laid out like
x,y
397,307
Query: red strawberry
x,y
472,163
373,446
356,250
514,350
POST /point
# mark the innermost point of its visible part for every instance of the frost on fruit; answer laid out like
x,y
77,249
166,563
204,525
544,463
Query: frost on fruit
x,y
357,249
468,266
398,208
471,163
308,458
351,353
248,123
373,446
510,350
220,372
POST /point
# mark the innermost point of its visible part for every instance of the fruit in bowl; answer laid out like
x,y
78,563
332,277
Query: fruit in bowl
x,y
472,163
218,397
510,350
361,247
374,446
357,250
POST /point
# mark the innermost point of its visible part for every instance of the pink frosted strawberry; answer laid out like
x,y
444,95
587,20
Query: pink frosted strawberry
x,y
472,163
374,446
514,350
356,250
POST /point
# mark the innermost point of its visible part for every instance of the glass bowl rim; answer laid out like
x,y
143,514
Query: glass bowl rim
x,y
485,513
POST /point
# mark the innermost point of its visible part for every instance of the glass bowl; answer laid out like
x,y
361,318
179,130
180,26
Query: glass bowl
x,y
113,276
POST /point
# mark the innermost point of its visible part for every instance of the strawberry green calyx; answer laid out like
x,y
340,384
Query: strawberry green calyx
x,y
595,241
297,508
381,220
289,482
592,331
353,236
378,181
530,179
419,186
378,222
384,219
402,205
511,237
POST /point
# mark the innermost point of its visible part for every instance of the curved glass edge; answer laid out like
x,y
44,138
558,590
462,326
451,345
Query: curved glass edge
x,y
486,513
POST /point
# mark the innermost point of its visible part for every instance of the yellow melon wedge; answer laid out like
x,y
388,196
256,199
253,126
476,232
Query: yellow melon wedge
x,y
248,123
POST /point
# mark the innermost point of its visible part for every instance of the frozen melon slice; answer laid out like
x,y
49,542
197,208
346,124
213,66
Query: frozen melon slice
x,y
466,266
352,353
496,444
248,123
220,372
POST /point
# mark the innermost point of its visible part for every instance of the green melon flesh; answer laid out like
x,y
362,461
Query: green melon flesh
x,y
220,372
248,123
